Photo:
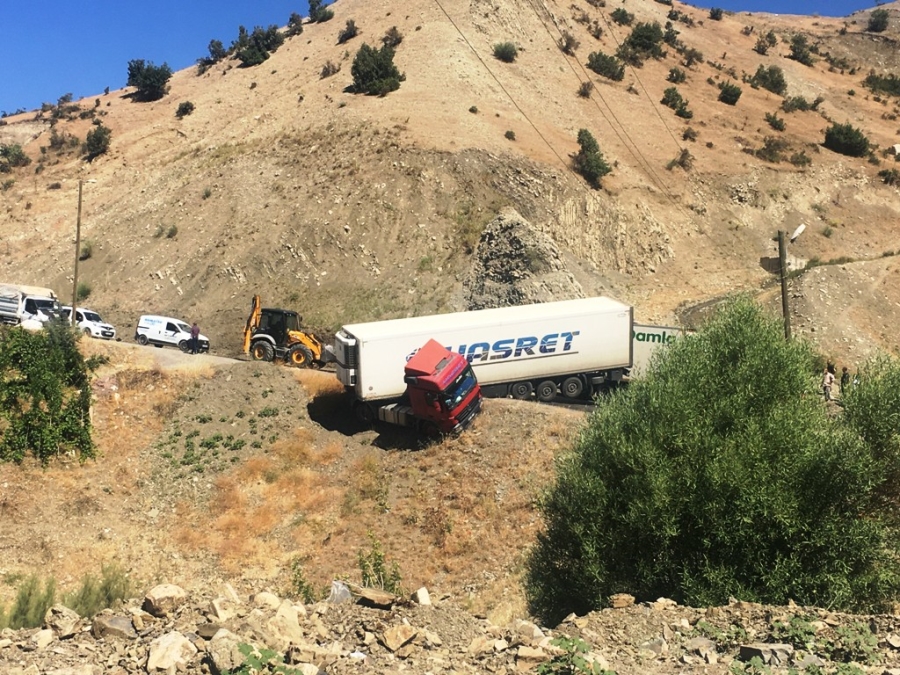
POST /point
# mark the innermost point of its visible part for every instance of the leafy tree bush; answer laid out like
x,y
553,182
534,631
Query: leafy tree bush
x,y
644,41
673,99
152,82
318,12
374,71
800,51
729,93
589,161
97,142
716,13
258,45
568,43
692,56
878,21
800,103
295,25
607,66
374,570
348,32
12,156
184,108
775,121
585,89
330,68
704,481
676,76
889,176
772,150
33,599
505,51
45,395
622,16
847,140
770,78
94,595
761,47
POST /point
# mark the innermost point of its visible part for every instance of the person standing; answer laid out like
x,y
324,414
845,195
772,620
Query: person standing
x,y
845,380
828,381
195,338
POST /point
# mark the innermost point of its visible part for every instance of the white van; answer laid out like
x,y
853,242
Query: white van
x,y
164,330
89,322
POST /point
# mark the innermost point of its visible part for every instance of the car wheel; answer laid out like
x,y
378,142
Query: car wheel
x,y
184,346
546,391
87,332
521,390
142,339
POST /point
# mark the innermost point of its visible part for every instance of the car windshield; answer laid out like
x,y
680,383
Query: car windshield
x,y
183,327
457,391
92,316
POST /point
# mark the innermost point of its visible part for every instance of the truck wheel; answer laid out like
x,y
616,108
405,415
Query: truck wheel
x,y
142,340
521,390
300,357
546,391
430,429
262,351
364,413
572,387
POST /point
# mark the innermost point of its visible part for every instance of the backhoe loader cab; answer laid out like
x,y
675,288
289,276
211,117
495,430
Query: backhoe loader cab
x,y
276,333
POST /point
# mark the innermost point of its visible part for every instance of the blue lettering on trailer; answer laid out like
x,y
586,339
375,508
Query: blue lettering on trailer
x,y
527,346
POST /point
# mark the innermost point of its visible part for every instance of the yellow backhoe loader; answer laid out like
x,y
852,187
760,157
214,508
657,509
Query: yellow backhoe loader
x,y
276,334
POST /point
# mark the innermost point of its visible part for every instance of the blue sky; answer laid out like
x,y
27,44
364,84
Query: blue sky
x,y
54,47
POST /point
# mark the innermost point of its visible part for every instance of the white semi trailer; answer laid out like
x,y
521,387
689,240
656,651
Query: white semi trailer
x,y
571,347
27,304
648,339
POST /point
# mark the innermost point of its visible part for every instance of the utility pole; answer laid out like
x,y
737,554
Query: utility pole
x,y
78,255
782,258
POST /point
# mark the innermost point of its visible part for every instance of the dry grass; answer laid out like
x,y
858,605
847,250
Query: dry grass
x,y
319,383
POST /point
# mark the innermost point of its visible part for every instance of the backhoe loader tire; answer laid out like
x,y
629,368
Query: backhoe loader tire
x,y
300,357
262,351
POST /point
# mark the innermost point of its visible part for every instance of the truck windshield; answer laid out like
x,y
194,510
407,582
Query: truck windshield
x,y
457,391
47,306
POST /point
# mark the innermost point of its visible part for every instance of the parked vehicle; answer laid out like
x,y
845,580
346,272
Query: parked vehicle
x,y
89,322
164,330
27,303
573,347
647,340
276,333
437,393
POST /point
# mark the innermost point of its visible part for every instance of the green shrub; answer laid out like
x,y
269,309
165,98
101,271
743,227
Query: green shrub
x,y
97,142
800,50
330,68
184,108
373,568
83,291
374,72
348,32
94,595
644,41
253,49
510,135
585,89
505,51
568,43
673,99
294,25
703,481
300,585
86,250
886,84
716,13
689,134
676,76
846,140
12,156
622,16
878,21
572,656
152,82
761,47
771,78
800,103
729,93
800,159
589,161
607,66
890,176
172,232
775,121
772,150
31,603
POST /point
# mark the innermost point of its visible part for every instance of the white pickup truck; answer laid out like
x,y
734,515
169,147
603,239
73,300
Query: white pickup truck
x,y
27,303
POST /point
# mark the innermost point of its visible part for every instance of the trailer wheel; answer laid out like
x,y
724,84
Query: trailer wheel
x,y
546,391
262,351
572,387
300,357
521,390
142,339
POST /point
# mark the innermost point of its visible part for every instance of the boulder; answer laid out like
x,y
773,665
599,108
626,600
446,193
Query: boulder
x,y
164,599
106,626
395,637
64,622
223,652
170,653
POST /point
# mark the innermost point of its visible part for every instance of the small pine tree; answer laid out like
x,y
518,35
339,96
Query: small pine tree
x,y
589,161
151,81
800,50
846,140
97,142
771,78
622,16
184,108
606,65
348,32
878,21
716,13
729,93
295,25
374,72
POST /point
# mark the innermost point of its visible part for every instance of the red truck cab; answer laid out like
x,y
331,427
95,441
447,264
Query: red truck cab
x,y
442,389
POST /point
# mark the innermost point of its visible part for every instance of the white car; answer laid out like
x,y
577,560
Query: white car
x,y
89,323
